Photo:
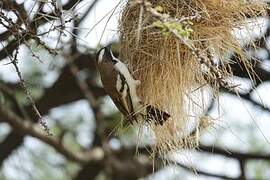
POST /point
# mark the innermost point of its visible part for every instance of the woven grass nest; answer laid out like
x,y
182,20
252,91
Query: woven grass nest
x,y
177,47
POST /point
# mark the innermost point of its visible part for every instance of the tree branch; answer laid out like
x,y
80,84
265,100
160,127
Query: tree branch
x,y
26,127
200,172
233,154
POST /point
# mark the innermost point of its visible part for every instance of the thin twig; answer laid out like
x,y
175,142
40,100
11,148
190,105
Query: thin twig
x,y
14,61
25,126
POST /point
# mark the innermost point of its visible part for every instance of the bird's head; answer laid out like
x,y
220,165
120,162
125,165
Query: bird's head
x,y
105,55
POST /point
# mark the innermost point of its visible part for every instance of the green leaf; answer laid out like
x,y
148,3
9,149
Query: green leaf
x,y
159,8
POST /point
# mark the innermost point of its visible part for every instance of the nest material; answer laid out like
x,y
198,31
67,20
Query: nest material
x,y
168,69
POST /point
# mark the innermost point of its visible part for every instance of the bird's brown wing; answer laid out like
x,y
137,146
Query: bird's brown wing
x,y
124,94
156,115
124,101
124,109
120,95
119,104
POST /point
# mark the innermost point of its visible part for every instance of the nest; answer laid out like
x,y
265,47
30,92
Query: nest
x,y
172,66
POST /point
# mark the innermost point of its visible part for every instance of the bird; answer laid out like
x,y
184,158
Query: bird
x,y
119,84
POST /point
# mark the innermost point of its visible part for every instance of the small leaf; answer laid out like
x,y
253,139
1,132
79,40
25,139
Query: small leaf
x,y
158,24
159,8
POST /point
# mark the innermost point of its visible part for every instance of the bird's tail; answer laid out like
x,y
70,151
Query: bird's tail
x,y
156,115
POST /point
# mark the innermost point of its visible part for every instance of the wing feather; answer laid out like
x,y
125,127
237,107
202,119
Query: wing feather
x,y
124,94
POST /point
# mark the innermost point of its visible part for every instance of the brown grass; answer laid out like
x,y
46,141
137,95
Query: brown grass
x,y
168,70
